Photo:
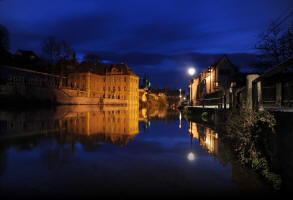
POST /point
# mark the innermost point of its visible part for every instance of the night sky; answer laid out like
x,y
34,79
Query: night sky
x,y
161,38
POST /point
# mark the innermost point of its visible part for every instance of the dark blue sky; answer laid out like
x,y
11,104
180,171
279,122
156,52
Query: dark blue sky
x,y
159,37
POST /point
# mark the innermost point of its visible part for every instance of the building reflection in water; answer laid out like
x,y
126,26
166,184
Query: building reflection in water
x,y
115,125
58,131
207,137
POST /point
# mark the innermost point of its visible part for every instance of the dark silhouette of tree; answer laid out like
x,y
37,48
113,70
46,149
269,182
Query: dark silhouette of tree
x,y
51,48
274,46
56,50
4,39
65,51
92,58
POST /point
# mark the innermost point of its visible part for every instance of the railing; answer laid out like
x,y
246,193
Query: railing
x,y
221,99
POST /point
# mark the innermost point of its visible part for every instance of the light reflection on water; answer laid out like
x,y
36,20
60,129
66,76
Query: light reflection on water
x,y
89,150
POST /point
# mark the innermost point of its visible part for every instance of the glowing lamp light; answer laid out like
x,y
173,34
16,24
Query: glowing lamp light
x,y
191,71
191,156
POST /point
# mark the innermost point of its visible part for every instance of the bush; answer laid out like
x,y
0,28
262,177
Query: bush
x,y
250,132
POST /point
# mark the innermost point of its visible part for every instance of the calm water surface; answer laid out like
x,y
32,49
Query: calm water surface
x,y
86,150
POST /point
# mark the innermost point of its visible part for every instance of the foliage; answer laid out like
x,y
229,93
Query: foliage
x,y
155,103
204,116
187,114
250,132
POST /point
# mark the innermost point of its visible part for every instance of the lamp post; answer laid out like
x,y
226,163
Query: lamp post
x,y
191,71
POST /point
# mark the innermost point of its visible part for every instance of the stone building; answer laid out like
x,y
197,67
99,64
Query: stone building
x,y
86,83
115,84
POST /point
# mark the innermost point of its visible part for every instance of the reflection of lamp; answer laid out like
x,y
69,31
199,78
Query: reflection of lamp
x,y
180,117
191,156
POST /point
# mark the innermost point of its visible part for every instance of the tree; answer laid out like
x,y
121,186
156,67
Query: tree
x,y
51,48
65,51
57,50
274,46
92,58
4,38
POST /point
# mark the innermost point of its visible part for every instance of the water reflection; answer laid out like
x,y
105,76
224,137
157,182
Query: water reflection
x,y
57,132
207,137
210,141
84,124
76,149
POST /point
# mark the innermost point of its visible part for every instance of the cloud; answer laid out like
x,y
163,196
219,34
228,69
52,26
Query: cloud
x,y
162,68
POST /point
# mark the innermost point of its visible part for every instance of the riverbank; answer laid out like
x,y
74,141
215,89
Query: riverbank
x,y
250,134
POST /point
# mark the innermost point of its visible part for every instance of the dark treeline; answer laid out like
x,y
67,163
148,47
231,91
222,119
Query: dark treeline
x,y
57,55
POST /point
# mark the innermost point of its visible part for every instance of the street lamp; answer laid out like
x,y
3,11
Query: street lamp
x,y
191,71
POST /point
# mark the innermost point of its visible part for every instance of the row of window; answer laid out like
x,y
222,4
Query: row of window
x,y
114,88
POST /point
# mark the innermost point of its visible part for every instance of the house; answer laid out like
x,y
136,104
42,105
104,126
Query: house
x,y
214,78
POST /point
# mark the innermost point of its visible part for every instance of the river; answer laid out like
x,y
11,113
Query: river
x,y
105,151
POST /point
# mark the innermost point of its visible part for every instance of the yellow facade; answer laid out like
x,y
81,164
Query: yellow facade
x,y
118,85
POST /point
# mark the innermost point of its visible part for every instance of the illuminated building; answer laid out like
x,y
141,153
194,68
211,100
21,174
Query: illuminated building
x,y
85,84
214,78
112,84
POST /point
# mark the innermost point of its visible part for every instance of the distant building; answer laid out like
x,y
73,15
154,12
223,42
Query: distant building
x,y
115,83
87,84
214,78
